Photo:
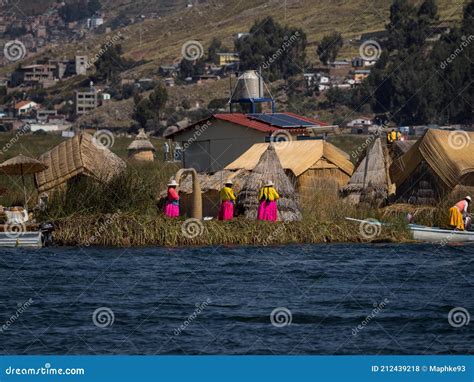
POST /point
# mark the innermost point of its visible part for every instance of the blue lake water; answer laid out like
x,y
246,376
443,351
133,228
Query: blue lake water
x,y
325,299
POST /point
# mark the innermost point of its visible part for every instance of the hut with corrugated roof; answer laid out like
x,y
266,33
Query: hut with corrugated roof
x,y
141,149
81,155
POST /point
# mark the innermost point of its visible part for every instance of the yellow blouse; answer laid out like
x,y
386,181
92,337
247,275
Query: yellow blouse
x,y
268,193
227,194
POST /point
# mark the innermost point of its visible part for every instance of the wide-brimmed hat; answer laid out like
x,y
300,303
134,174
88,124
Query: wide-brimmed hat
x,y
269,183
228,181
468,198
173,183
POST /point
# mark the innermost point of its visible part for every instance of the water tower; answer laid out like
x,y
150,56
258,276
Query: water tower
x,y
249,91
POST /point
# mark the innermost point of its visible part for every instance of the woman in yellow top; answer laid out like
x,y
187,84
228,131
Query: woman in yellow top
x,y
227,201
268,196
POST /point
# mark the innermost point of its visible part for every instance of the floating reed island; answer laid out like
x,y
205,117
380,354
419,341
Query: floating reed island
x,y
319,188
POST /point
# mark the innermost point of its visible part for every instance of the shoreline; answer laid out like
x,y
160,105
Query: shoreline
x,y
128,231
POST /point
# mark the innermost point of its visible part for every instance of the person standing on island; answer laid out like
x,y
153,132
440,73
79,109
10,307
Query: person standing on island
x,y
172,201
227,197
268,196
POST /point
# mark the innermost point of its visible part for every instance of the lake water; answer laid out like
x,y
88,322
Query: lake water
x,y
325,299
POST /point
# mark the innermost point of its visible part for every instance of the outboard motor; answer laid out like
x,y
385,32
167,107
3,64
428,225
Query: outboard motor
x,y
47,234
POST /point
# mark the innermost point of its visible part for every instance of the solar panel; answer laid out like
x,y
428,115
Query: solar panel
x,y
281,120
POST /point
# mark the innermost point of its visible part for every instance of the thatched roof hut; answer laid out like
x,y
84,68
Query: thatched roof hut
x,y
439,164
80,155
269,168
310,164
370,181
141,148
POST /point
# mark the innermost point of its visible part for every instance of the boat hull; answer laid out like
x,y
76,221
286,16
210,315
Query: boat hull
x,y
440,236
24,239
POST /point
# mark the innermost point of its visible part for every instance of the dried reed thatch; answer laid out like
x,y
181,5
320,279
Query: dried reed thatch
x,y
369,183
141,148
440,163
80,155
269,168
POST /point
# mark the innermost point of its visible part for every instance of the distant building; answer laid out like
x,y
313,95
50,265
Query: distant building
x,y
362,121
95,21
359,62
86,101
80,64
360,75
25,107
227,58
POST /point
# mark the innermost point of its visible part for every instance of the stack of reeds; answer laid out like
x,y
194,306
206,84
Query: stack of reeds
x,y
269,168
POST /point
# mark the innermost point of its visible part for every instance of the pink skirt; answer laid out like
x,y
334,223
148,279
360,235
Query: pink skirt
x,y
227,210
171,210
267,211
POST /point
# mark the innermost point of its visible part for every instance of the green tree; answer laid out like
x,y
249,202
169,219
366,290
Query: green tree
x,y
213,49
329,47
278,50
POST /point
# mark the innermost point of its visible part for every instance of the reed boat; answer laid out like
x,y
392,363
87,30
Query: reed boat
x,y
439,235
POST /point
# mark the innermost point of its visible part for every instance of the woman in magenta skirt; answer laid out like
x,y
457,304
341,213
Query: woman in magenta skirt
x,y
268,196
172,201
227,197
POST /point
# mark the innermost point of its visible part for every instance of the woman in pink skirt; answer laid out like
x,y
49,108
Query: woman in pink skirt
x,y
268,196
172,201
227,201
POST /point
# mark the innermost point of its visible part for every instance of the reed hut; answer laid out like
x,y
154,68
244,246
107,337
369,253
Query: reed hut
x,y
211,185
78,156
269,168
439,164
312,165
370,181
141,149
